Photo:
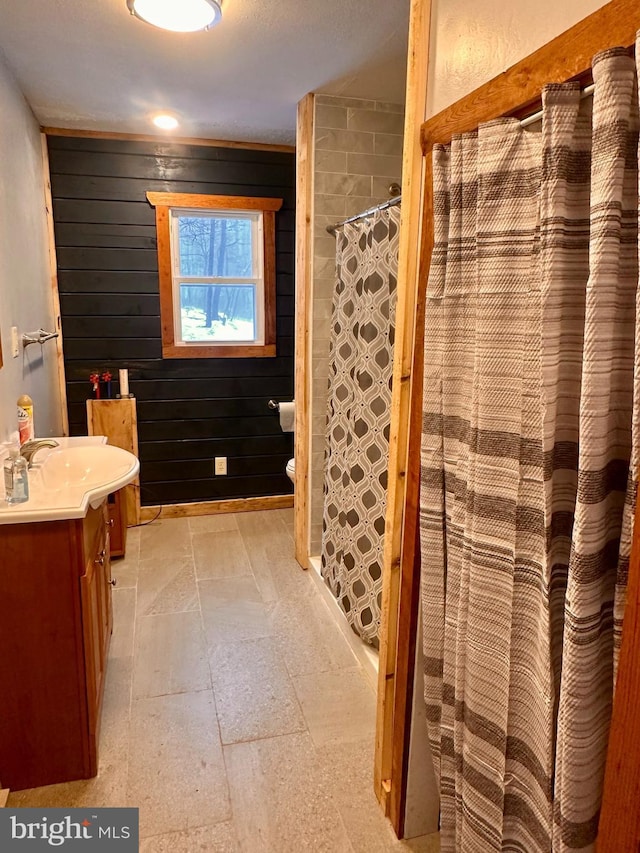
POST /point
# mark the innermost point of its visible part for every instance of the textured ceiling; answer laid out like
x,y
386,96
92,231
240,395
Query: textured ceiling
x,y
88,64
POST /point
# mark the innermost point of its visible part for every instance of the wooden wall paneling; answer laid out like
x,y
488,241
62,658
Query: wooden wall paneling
x,y
619,828
162,470
399,598
304,284
167,147
208,488
55,293
118,420
110,302
158,441
178,140
187,173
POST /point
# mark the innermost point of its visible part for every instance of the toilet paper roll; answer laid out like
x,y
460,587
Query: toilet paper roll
x,y
288,416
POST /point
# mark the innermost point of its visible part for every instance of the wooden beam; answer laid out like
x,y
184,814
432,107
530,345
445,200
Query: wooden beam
x,y
168,140
401,571
55,293
567,57
304,285
150,513
213,202
619,829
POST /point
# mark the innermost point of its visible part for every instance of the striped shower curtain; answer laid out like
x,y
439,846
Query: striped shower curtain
x,y
358,416
530,440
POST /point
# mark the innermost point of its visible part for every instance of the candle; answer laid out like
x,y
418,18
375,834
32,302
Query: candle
x,y
124,383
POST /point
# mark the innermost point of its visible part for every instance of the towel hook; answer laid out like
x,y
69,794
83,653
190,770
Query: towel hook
x,y
39,337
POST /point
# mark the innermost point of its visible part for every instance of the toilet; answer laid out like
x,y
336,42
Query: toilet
x,y
291,469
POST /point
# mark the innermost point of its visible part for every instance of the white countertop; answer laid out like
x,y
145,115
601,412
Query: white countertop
x,y
49,502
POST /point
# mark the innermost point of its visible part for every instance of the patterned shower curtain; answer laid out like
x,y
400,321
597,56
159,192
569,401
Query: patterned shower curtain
x,y
358,416
530,441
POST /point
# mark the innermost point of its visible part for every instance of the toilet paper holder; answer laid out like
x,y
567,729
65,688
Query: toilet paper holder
x,y
273,405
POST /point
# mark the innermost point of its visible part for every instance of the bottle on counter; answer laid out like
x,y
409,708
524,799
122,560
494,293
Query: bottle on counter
x,y
25,418
16,478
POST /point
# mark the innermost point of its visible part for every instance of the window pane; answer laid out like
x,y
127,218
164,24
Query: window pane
x,y
218,312
215,246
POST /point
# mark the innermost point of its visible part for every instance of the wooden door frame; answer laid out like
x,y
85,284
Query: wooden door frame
x,y
304,306
399,593
516,92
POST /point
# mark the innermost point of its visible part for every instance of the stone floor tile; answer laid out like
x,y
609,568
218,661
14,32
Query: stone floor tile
x,y
177,776
170,655
254,694
280,804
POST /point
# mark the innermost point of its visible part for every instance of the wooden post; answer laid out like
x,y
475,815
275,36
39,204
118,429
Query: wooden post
x,y
619,830
397,630
304,261
117,419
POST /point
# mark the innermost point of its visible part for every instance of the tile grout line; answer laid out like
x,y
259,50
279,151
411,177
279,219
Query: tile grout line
x,y
218,731
133,655
202,628
277,652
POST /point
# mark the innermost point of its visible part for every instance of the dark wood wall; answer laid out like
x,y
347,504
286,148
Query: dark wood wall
x,y
189,410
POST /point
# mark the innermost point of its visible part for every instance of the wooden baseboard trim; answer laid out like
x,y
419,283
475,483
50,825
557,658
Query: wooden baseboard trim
x,y
148,513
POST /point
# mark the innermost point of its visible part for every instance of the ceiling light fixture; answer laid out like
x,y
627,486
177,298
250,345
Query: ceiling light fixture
x,y
165,121
181,16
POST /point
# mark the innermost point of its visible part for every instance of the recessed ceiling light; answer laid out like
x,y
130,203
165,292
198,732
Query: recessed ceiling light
x,y
181,16
165,122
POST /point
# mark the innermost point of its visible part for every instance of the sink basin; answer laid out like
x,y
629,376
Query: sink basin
x,y
89,468
66,480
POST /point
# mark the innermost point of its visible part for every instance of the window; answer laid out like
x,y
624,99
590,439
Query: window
x,y
216,264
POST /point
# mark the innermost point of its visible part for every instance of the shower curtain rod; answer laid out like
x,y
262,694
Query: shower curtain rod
x,y
385,204
586,92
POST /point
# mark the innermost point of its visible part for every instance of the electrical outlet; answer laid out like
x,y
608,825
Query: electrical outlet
x,y
220,465
15,342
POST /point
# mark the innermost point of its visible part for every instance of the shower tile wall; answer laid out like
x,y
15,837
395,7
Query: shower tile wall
x,y
357,155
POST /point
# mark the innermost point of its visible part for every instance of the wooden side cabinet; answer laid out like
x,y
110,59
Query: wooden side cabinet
x,y
55,626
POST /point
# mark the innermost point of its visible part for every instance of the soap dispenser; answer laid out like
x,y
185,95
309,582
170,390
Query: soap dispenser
x,y
16,479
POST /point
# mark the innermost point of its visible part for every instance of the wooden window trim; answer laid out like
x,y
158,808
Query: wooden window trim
x,y
163,202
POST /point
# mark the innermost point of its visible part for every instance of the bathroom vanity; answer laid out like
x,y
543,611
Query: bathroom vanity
x,y
55,622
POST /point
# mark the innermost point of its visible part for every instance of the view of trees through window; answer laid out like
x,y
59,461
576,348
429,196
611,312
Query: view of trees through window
x,y
217,247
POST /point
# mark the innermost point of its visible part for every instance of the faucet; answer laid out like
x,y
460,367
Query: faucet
x,y
31,447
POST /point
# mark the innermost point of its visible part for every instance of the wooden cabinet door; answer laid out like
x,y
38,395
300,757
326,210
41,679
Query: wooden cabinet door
x,y
92,608
97,623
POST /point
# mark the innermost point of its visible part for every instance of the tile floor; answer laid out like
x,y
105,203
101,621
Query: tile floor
x,y
236,716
